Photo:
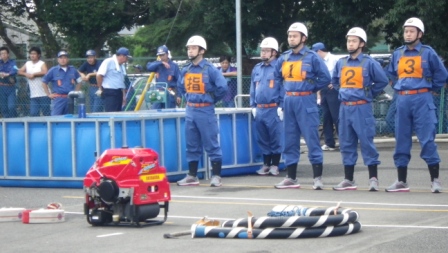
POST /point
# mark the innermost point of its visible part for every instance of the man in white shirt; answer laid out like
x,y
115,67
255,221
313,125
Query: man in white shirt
x,y
34,70
110,79
328,99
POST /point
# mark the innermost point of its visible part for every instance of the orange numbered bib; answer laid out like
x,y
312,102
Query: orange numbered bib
x,y
193,83
410,66
351,78
292,71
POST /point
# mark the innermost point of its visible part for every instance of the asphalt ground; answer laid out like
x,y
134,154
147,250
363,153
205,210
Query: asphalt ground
x,y
391,222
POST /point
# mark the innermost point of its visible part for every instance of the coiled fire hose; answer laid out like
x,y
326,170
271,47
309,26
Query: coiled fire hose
x,y
295,222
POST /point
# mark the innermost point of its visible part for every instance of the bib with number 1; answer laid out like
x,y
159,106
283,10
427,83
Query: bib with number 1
x,y
351,77
292,71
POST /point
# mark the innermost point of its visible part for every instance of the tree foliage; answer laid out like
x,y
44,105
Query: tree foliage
x,y
433,13
89,24
82,24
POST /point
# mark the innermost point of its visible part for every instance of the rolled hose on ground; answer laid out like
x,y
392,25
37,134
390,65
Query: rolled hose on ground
x,y
288,222
198,231
296,221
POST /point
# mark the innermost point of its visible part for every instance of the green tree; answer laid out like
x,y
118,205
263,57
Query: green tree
x,y
433,13
89,24
83,24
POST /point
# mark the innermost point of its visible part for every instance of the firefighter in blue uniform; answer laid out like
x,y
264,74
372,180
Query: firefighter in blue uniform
x,y
419,71
203,85
303,73
64,78
266,100
359,79
167,71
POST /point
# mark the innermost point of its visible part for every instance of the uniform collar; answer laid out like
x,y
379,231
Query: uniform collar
x,y
417,47
201,63
302,51
359,57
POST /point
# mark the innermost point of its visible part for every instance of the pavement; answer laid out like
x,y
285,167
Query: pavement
x,y
416,221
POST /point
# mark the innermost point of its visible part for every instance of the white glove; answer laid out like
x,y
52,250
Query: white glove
x,y
280,113
98,92
318,101
254,112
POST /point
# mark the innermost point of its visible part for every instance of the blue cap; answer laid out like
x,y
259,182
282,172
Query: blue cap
x,y
318,46
162,50
123,51
62,53
90,53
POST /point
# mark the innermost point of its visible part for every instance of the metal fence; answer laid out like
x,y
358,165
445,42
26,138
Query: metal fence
x,y
383,106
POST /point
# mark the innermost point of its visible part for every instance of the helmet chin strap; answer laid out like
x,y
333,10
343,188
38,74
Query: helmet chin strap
x,y
410,42
267,59
353,51
193,58
296,46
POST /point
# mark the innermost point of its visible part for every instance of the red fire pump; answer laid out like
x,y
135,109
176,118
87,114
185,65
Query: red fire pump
x,y
126,186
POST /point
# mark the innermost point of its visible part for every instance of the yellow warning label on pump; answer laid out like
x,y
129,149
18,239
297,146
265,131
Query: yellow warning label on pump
x,y
152,178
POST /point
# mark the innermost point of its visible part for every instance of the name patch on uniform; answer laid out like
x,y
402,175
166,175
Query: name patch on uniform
x,y
410,66
193,83
292,71
351,78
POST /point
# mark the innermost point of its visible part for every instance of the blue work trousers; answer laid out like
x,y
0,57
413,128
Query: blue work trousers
x,y
356,122
301,117
201,132
269,131
415,112
8,101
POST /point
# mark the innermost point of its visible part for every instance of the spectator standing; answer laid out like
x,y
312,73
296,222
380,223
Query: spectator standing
x,y
8,73
34,70
111,80
328,99
228,72
88,72
166,71
63,78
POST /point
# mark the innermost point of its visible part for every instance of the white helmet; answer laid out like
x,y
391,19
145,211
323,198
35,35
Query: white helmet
x,y
359,32
415,22
298,27
197,41
269,42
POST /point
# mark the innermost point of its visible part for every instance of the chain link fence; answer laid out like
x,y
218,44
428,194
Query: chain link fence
x,y
383,106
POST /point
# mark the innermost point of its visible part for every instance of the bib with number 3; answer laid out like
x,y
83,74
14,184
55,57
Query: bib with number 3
x,y
193,83
351,78
410,66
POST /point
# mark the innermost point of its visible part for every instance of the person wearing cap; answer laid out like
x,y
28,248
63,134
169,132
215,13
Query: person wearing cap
x,y
359,79
111,80
34,70
327,98
166,71
8,73
228,72
63,78
302,73
88,72
266,100
419,71
202,85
